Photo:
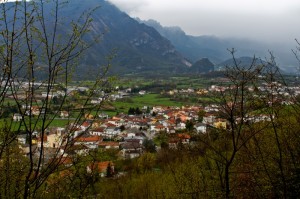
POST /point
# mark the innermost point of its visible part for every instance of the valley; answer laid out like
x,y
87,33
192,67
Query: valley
x,y
97,103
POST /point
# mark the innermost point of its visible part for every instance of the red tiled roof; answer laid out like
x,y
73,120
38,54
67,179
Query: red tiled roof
x,y
100,166
98,129
159,126
184,136
86,124
92,138
110,125
109,144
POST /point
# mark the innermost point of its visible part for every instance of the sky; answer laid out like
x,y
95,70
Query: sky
x,y
265,20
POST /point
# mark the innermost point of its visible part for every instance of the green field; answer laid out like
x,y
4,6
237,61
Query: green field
x,y
144,100
14,126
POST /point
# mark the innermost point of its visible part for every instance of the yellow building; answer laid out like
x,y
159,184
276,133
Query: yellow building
x,y
220,124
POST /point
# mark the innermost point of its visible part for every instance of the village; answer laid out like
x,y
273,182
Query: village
x,y
129,134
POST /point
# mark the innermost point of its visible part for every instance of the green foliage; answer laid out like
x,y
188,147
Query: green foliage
x,y
149,146
161,138
134,111
145,100
189,125
201,114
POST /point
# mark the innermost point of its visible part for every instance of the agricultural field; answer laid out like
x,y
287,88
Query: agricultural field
x,y
144,100
176,82
15,126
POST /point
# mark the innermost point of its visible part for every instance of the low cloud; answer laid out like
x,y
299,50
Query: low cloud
x,y
266,20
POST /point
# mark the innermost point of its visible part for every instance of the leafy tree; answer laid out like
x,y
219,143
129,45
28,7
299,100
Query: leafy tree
x,y
149,146
138,111
189,125
148,109
109,171
201,114
122,128
131,111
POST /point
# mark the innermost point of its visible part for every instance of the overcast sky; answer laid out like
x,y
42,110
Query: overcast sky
x,y
267,20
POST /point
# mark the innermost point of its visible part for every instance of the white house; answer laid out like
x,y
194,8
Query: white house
x,y
200,127
17,117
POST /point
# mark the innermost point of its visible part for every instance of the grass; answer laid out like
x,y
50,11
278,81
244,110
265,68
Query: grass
x,y
14,126
145,100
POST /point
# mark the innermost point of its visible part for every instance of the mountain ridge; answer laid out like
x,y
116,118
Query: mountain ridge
x,y
139,47
216,49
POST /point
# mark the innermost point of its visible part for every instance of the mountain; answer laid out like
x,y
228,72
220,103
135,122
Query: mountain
x,y
215,49
246,62
240,61
139,48
202,66
136,47
192,47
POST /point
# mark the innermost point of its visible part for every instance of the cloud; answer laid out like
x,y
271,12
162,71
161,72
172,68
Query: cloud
x,y
269,20
130,6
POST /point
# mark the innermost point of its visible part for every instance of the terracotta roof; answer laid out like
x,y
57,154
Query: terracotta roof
x,y
62,161
109,144
110,125
184,136
100,129
92,138
100,166
159,126
85,124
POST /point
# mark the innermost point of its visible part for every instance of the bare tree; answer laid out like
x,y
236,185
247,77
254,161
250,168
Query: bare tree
x,y
39,50
239,102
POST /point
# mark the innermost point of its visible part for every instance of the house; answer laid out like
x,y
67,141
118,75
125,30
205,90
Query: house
x,y
209,119
91,141
103,116
50,95
97,131
184,138
35,110
109,145
102,168
17,117
25,149
142,92
111,132
42,140
75,150
179,139
64,161
200,127
75,131
131,135
180,126
220,124
140,139
158,127
88,116
96,101
131,149
85,125
54,138
22,138
64,114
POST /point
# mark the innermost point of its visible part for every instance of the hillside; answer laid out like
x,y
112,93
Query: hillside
x,y
203,65
136,47
139,48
